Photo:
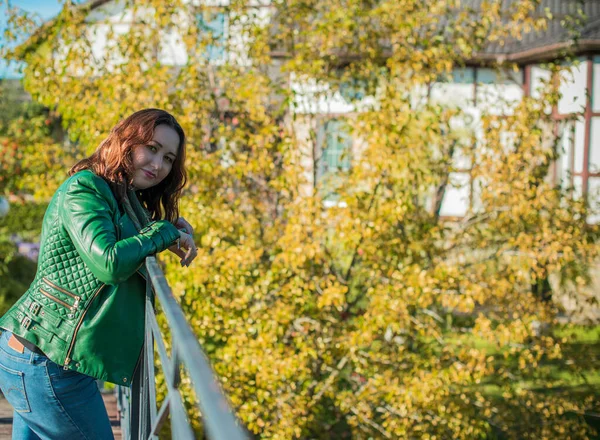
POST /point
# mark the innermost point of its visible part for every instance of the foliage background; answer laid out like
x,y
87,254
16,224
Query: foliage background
x,y
376,319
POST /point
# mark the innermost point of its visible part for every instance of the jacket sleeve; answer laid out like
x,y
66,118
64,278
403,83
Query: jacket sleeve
x,y
87,215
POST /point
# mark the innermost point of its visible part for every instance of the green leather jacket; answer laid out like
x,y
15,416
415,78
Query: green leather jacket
x,y
85,308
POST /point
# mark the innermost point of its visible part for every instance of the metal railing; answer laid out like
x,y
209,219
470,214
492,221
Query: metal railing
x,y
140,418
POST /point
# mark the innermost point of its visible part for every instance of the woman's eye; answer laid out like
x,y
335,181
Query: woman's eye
x,y
170,159
152,148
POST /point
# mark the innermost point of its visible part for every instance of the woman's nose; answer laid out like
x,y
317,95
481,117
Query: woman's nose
x,y
157,163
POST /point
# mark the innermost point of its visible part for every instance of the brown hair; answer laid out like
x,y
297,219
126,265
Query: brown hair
x,y
112,160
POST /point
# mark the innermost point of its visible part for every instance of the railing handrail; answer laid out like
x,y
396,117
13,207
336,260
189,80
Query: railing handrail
x,y
139,413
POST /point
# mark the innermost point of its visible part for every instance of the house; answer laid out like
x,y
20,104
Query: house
x,y
579,164
474,87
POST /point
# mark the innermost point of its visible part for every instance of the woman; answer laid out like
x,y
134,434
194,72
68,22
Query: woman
x,y
82,318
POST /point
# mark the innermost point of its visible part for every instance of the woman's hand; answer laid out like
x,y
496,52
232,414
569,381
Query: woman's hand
x,y
186,241
182,224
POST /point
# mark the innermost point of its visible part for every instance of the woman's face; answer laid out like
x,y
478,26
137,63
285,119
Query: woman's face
x,y
153,162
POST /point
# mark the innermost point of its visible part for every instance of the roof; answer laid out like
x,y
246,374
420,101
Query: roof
x,y
534,46
556,37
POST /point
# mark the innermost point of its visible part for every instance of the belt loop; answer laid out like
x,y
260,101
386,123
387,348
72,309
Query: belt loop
x,y
34,307
26,322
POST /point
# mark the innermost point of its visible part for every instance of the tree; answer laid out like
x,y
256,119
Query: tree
x,y
369,316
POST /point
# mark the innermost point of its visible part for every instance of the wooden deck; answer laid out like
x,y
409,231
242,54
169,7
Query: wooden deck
x,y
6,414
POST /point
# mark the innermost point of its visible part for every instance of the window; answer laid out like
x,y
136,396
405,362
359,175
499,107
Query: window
x,y
353,85
335,157
213,25
463,75
353,90
486,75
459,75
337,143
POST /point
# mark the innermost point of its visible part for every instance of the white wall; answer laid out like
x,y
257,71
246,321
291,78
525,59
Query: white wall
x,y
453,95
594,200
498,91
311,97
595,145
498,99
539,77
116,16
573,88
456,198
579,143
566,144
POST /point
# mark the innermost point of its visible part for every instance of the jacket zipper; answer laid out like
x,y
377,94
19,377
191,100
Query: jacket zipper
x,y
71,345
66,292
55,299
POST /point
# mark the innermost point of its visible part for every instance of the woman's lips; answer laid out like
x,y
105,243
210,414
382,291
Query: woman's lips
x,y
149,175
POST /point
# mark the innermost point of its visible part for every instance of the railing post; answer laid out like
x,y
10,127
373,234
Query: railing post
x,y
123,408
135,404
144,429
148,413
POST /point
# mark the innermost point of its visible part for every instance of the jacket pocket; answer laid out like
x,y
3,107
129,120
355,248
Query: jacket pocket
x,y
55,299
59,295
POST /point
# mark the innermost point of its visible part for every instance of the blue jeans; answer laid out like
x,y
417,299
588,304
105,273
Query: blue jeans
x,y
48,401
